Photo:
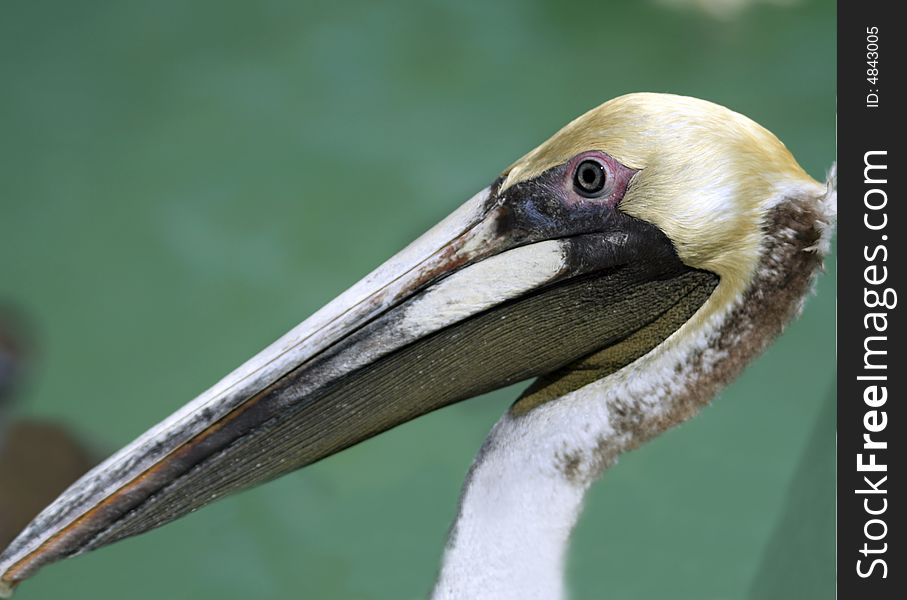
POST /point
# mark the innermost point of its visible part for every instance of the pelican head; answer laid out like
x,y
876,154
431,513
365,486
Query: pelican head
x,y
632,265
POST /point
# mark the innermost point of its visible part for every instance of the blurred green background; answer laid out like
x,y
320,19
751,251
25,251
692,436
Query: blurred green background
x,y
182,181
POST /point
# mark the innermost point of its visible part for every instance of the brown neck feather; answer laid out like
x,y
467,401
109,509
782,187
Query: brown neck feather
x,y
784,276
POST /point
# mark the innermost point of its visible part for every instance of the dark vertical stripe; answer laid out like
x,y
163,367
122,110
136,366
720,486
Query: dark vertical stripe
x,y
868,111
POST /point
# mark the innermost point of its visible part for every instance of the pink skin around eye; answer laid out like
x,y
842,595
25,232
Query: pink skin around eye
x,y
618,178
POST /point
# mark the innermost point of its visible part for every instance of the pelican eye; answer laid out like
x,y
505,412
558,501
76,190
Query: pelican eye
x,y
589,178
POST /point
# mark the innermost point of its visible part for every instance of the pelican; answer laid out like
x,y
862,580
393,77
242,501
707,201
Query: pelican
x,y
631,265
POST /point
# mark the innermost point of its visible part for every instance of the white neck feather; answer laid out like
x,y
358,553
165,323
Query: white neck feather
x,y
515,517
525,491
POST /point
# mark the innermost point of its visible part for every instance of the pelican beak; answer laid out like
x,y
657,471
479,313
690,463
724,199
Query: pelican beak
x,y
492,295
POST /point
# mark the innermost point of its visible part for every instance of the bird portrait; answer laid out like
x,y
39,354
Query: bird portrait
x,y
630,267
452,300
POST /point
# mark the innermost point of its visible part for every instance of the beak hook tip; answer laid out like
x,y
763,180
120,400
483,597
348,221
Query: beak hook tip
x,y
6,589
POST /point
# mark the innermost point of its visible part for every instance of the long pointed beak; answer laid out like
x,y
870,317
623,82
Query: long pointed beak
x,y
464,309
